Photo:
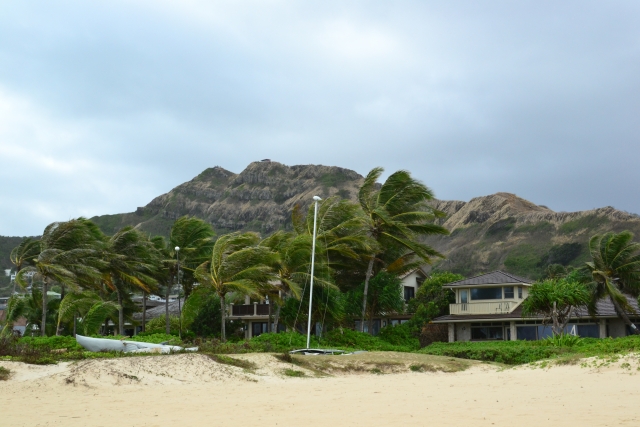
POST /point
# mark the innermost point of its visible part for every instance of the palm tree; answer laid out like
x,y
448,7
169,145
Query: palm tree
x,y
289,268
23,255
16,307
68,256
30,306
397,216
194,237
237,264
615,268
131,260
90,307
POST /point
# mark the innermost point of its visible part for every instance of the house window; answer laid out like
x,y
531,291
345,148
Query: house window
x,y
258,328
589,331
409,293
528,333
520,292
464,298
486,293
508,292
376,326
487,333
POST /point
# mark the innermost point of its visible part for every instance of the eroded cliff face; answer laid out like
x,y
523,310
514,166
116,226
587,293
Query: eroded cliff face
x,y
504,231
260,198
499,231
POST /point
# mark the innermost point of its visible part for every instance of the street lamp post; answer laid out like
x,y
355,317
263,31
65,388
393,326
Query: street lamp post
x,y
313,256
178,283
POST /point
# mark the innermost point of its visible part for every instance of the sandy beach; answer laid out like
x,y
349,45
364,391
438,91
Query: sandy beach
x,y
196,390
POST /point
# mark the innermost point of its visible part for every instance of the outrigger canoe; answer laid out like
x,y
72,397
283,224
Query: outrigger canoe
x,y
103,344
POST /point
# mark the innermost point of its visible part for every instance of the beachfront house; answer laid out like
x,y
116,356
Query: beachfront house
x,y
255,315
489,307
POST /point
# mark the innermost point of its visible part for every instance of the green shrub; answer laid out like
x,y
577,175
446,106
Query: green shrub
x,y
400,335
293,373
226,360
284,341
158,325
350,339
4,373
52,343
520,352
508,352
563,340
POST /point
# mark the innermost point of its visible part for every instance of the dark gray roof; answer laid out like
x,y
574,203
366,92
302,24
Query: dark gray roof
x,y
604,308
159,311
494,278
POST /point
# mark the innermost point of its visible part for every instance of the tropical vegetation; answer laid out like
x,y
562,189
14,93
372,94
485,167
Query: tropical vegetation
x,y
76,279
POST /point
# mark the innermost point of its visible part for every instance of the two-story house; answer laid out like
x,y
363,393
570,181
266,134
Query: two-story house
x,y
489,307
255,315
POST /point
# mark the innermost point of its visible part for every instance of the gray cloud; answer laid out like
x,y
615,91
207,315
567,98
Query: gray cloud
x,y
103,106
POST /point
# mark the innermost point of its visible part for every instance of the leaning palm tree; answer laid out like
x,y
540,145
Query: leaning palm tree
x,y
16,308
24,255
131,260
29,306
397,217
615,269
91,309
237,264
194,238
290,268
69,256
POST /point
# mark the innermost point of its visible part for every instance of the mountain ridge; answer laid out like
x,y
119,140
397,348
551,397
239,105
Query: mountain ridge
x,y
497,231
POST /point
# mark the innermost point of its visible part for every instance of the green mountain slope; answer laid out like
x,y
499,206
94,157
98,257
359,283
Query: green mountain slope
x,y
503,231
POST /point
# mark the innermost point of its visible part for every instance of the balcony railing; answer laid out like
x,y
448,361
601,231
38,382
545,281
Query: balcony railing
x,y
502,307
250,310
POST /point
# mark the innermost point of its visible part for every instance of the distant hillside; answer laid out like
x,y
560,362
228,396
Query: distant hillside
x,y
500,231
504,231
260,198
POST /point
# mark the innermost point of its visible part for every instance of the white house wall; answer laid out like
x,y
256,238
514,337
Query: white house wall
x,y
411,280
463,331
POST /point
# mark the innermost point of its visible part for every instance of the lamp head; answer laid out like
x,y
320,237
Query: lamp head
x,y
177,248
316,198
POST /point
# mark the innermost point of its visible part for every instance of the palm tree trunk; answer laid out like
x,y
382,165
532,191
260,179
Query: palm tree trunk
x,y
625,318
43,323
166,310
366,290
75,323
120,313
223,332
276,319
144,311
270,319
62,294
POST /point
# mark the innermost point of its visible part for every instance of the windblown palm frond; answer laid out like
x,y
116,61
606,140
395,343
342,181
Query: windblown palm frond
x,y
397,217
615,269
237,264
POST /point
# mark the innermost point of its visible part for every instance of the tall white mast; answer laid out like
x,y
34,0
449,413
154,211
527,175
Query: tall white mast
x,y
313,258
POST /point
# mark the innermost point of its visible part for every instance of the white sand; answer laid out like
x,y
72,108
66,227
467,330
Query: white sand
x,y
186,390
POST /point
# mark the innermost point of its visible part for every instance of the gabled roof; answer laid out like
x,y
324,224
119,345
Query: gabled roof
x,y
494,278
419,270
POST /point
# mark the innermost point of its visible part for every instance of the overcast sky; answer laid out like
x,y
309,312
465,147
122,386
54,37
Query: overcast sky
x,y
105,105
